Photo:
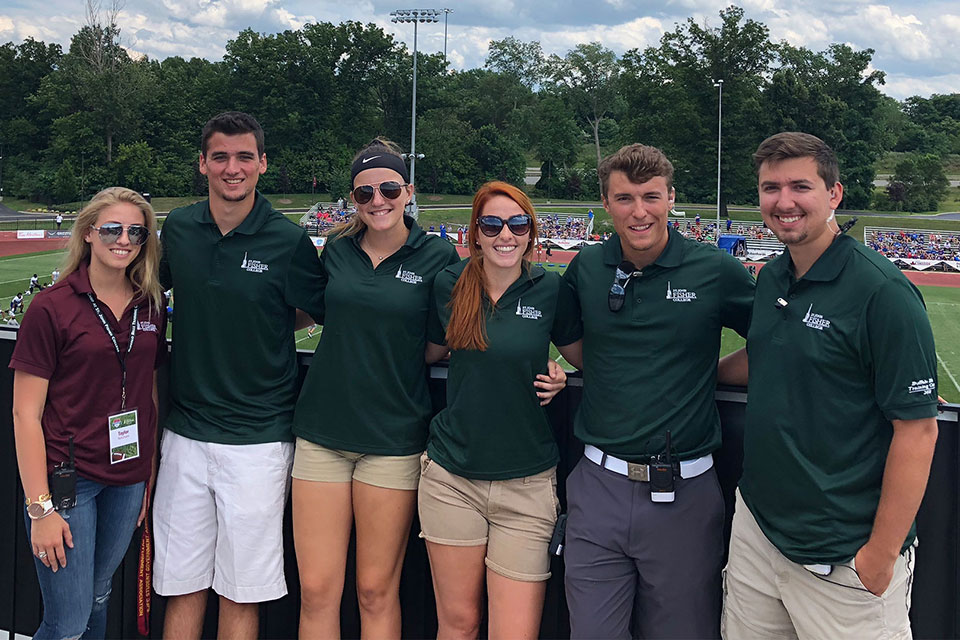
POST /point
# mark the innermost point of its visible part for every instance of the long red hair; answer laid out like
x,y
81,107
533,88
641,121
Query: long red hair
x,y
467,323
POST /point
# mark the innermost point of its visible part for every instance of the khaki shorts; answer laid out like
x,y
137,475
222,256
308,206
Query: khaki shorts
x,y
316,463
513,518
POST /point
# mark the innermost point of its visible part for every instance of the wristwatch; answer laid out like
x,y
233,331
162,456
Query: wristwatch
x,y
39,508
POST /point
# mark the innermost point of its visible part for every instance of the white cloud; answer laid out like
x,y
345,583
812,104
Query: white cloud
x,y
901,87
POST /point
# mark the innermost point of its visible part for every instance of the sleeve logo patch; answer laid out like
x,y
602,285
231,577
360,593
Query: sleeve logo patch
x,y
680,295
528,312
253,266
815,320
926,387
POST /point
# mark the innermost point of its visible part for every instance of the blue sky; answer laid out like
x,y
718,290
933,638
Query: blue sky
x,y
916,42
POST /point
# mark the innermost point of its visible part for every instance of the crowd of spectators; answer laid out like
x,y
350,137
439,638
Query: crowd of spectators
x,y
554,225
920,245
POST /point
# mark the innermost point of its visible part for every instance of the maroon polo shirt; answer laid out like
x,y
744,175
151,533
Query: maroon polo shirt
x,y
62,340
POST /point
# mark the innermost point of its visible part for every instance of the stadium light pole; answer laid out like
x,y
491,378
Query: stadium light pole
x,y
414,16
446,12
719,84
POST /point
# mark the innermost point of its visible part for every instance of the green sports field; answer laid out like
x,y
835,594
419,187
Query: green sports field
x,y
943,307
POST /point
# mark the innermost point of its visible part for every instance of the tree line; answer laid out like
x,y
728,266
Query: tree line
x,y
73,122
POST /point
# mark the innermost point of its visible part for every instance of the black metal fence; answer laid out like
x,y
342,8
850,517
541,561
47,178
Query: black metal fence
x,y
935,612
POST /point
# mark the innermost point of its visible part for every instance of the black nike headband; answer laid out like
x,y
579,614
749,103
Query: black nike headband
x,y
374,159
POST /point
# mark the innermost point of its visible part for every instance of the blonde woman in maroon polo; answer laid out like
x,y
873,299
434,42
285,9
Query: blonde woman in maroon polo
x,y
85,409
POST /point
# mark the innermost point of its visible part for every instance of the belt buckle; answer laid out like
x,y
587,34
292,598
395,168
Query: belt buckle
x,y
638,472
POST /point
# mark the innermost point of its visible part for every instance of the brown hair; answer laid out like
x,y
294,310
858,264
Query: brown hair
x,y
467,327
232,123
793,144
355,225
143,271
639,162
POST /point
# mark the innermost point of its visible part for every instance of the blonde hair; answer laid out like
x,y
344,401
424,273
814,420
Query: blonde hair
x,y
143,272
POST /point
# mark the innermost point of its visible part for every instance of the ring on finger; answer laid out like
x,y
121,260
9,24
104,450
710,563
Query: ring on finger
x,y
42,555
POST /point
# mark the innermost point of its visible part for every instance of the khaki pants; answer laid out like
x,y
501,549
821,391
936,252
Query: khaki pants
x,y
767,596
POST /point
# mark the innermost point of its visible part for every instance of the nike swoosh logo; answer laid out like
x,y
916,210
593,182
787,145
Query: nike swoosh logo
x,y
366,160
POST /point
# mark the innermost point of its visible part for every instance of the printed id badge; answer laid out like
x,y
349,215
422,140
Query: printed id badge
x,y
124,436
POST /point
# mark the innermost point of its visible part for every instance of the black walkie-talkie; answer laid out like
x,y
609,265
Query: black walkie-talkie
x,y
661,475
63,483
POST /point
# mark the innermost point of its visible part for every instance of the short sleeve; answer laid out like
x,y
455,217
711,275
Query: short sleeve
x,y
737,289
567,324
37,349
901,351
166,278
438,314
306,280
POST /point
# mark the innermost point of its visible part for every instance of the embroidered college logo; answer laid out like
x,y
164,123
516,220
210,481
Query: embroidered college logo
x,y
528,312
253,266
408,276
680,295
146,325
926,387
815,320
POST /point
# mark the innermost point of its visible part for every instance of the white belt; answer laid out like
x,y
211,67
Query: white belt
x,y
641,472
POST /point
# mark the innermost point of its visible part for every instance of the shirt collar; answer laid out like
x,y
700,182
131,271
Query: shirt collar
x,y
79,280
830,263
250,225
416,237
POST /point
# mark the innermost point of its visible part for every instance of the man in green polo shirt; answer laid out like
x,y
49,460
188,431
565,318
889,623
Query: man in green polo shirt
x,y
645,556
841,421
240,272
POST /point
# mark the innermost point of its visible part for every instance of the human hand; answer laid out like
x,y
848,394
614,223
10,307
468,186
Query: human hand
x,y
550,383
875,569
47,536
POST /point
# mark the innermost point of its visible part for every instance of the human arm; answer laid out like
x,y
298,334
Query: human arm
x,y
48,534
904,482
573,353
303,320
551,383
732,368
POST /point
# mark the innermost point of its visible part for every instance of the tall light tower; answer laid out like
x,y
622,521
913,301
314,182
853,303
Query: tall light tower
x,y
414,16
446,12
719,85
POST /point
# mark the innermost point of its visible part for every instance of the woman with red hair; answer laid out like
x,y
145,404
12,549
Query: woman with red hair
x,y
487,497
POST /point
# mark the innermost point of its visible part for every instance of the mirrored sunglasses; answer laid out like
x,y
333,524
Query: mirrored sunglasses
x,y
110,232
618,292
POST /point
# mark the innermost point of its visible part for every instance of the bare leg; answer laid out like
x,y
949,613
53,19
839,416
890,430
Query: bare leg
x,y
383,519
458,574
322,520
238,621
183,619
515,607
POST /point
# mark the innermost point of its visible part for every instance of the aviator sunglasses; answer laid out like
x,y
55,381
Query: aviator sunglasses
x,y
391,190
110,232
618,293
491,226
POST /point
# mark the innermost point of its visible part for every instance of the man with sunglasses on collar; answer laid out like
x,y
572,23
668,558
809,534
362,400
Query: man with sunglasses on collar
x,y
227,447
644,538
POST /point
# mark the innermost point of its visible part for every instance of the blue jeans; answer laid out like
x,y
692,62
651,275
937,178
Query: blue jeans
x,y
75,597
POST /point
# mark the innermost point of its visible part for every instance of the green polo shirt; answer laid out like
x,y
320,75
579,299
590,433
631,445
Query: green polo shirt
x,y
850,352
652,366
233,370
493,427
366,390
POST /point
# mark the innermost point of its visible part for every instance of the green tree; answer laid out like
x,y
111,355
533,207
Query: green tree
x,y
924,179
522,61
65,183
135,167
587,79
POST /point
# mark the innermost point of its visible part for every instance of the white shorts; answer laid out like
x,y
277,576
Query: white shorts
x,y
218,518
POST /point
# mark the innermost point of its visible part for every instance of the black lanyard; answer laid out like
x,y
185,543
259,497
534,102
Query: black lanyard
x,y
121,357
